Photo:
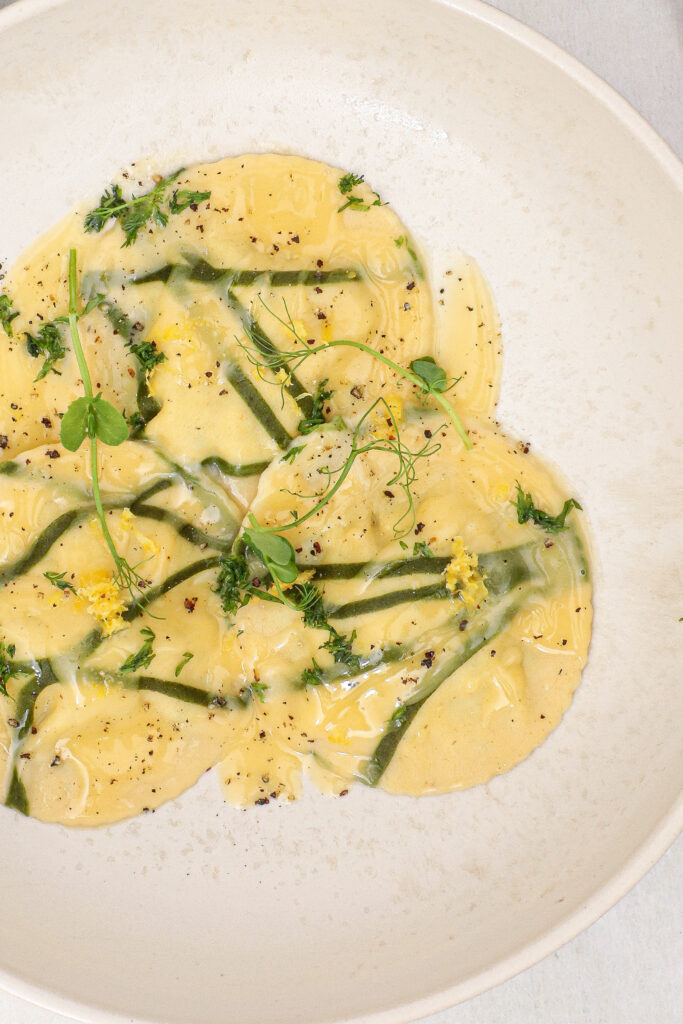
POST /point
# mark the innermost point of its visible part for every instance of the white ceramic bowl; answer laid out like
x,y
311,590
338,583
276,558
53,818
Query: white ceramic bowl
x,y
486,138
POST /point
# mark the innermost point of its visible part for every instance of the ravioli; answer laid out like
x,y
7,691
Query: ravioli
x,y
274,345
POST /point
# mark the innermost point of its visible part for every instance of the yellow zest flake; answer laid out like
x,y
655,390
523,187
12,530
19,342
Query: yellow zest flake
x,y
381,426
327,332
127,522
98,690
463,576
501,492
303,577
180,330
339,735
102,599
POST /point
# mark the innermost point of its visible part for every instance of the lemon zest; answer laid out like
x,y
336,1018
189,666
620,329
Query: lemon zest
x,y
381,425
464,577
100,597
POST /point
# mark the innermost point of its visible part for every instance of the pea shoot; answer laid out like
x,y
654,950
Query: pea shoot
x,y
93,417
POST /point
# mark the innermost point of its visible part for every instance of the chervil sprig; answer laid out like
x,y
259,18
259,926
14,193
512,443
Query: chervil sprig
x,y
134,213
526,510
346,184
47,343
142,657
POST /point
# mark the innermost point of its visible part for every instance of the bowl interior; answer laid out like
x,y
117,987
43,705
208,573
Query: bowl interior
x,y
487,141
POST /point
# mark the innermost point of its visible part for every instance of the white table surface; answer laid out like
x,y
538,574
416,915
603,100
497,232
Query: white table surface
x,y
626,968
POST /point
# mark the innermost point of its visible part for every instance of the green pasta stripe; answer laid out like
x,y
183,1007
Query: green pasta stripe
x,y
257,405
16,794
366,605
216,463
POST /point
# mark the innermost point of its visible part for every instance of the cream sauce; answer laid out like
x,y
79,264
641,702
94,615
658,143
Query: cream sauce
x,y
469,652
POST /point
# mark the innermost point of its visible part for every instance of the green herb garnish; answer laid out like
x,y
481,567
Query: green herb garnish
x,y
348,182
259,690
526,510
312,676
147,354
184,197
292,453
143,657
432,376
340,647
187,656
233,575
134,213
420,548
57,580
48,343
7,315
316,419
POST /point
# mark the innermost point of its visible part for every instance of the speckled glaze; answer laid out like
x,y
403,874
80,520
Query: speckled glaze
x,y
484,138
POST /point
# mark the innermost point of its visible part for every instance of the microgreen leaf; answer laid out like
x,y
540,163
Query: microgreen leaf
x,y
432,376
275,551
109,424
259,690
74,428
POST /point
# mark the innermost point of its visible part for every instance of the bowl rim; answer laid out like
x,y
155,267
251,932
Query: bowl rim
x,y
671,823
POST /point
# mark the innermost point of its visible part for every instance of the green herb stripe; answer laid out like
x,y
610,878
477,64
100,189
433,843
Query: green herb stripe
x,y
63,523
521,574
258,337
42,675
43,542
378,604
202,272
17,797
400,567
16,794
184,529
476,637
133,611
258,406
207,274
501,568
215,462
183,692
148,406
